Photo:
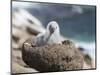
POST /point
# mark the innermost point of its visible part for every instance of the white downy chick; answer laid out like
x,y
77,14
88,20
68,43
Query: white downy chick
x,y
51,36
55,38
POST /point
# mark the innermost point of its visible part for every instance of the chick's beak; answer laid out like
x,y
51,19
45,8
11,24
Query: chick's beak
x,y
52,30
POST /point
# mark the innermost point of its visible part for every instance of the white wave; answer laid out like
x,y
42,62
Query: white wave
x,y
89,48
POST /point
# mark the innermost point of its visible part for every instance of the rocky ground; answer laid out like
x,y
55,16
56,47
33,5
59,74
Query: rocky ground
x,y
19,36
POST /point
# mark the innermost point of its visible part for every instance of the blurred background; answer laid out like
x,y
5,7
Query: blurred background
x,y
77,22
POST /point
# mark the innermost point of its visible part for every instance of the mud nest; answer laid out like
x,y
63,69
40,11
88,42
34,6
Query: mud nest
x,y
51,58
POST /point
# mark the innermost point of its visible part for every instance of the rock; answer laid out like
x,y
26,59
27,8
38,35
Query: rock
x,y
19,36
81,49
89,62
50,58
23,19
88,59
18,66
20,69
86,66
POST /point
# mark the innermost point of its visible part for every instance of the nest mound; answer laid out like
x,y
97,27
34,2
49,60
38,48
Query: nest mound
x,y
50,58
